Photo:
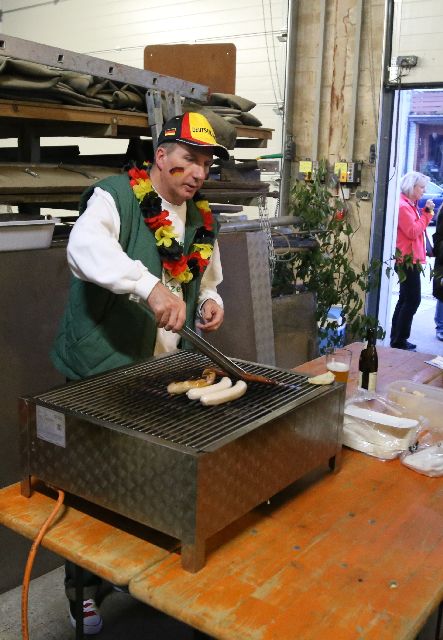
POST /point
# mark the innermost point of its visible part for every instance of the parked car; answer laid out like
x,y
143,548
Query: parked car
x,y
434,193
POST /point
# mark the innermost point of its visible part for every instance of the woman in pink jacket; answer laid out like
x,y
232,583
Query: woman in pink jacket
x,y
411,243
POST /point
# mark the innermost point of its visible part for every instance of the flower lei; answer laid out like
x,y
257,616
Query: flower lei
x,y
180,266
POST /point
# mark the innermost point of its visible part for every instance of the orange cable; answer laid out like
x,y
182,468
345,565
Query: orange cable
x,y
30,562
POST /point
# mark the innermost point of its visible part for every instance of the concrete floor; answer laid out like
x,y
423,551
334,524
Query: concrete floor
x,y
423,326
124,617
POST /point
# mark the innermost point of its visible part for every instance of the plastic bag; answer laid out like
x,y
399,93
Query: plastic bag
x,y
377,426
427,456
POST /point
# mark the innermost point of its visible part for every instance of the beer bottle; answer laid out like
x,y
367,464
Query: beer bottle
x,y
368,363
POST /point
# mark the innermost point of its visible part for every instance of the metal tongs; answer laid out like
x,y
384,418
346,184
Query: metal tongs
x,y
209,350
226,364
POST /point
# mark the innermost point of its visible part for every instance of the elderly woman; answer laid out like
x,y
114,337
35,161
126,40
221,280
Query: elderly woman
x,y
411,253
437,283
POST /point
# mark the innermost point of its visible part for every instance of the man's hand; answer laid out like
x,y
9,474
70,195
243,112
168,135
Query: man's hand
x,y
212,315
169,310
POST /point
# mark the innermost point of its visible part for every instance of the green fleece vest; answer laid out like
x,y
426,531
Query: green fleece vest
x,y
101,330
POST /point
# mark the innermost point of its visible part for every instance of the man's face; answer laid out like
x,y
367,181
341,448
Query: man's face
x,y
183,169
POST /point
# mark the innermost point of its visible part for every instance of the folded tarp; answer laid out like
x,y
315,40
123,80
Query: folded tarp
x,y
20,79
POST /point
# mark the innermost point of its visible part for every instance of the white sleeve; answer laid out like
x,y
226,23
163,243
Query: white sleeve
x,y
95,254
212,277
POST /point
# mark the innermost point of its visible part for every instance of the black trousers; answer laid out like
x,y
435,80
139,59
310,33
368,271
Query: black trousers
x,y
408,303
90,582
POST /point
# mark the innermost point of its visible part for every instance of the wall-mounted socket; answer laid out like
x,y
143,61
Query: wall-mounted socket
x,y
407,62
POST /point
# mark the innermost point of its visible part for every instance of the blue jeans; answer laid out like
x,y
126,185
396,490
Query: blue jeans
x,y
438,318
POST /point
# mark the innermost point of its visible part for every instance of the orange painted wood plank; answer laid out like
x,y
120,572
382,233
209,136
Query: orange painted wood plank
x,y
98,546
358,554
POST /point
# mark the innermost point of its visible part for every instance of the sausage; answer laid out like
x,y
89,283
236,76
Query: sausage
x,y
226,395
176,388
252,377
196,393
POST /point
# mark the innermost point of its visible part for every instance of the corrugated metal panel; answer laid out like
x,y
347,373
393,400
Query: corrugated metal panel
x,y
418,30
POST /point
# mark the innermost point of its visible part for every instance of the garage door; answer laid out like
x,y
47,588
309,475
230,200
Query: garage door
x,y
417,43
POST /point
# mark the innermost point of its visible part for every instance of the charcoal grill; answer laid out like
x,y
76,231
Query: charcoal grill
x,y
121,441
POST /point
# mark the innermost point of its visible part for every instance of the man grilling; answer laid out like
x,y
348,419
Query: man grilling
x,y
148,233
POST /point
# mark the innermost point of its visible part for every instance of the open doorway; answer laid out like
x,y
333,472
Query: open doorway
x,y
417,145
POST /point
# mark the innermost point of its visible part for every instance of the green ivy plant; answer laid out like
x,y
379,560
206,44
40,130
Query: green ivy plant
x,y
327,269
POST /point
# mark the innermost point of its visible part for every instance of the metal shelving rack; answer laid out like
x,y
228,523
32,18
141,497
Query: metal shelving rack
x,y
155,85
30,120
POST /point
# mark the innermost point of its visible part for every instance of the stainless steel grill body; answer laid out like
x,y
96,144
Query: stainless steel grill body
x,y
121,441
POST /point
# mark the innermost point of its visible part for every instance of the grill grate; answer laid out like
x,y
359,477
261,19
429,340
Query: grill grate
x,y
135,398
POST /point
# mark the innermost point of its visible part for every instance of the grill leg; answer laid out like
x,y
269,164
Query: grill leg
x,y
335,462
26,487
193,556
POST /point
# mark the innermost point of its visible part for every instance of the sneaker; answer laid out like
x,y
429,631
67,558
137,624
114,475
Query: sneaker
x,y
406,346
439,335
92,620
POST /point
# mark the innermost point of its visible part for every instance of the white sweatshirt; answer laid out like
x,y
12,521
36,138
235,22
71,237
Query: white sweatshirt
x,y
105,263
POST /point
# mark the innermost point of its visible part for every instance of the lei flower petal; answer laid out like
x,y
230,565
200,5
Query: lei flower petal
x,y
185,276
175,267
164,236
182,268
135,174
203,205
205,250
141,188
197,260
206,214
159,221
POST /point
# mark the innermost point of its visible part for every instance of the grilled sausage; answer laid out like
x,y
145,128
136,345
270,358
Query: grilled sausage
x,y
176,388
226,395
196,393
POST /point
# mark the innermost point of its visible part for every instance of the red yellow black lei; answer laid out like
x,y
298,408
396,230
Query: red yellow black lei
x,y
181,267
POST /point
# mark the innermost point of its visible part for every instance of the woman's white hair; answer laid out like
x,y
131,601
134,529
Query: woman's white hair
x,y
410,180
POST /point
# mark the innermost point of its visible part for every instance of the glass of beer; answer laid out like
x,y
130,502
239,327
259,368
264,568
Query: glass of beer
x,y
338,360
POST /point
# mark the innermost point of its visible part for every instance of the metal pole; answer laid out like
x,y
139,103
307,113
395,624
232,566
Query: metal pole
x,y
288,131
386,111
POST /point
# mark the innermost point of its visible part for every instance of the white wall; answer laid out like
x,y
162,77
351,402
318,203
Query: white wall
x,y
119,31
418,30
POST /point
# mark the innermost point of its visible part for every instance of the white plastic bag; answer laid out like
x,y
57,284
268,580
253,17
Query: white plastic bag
x,y
427,456
377,426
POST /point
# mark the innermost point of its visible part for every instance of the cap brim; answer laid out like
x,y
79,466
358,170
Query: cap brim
x,y
217,149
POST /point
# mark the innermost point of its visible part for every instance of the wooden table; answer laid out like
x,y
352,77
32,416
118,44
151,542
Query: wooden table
x,y
393,364
104,543
356,555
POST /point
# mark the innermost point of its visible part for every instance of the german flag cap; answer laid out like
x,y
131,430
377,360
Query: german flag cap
x,y
194,129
